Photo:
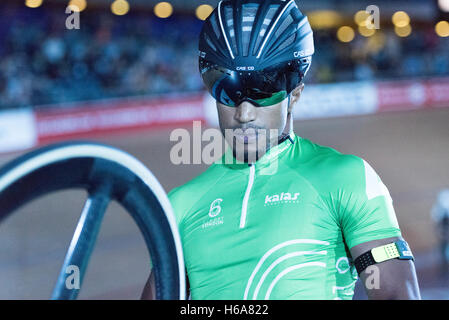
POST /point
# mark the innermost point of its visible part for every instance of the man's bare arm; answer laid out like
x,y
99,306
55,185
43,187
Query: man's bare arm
x,y
149,292
397,278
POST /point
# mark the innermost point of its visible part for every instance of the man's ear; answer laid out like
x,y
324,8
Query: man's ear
x,y
295,95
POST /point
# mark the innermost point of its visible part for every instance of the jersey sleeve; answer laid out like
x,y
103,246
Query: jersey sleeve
x,y
179,202
183,198
364,205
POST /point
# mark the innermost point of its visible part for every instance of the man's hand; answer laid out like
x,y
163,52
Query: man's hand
x,y
397,278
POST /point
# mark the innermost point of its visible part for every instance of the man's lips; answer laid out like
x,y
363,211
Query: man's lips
x,y
246,138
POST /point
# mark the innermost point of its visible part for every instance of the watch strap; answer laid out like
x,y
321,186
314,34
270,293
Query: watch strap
x,y
396,250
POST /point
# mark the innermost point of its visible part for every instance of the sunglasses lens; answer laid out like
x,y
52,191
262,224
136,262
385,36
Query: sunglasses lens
x,y
263,88
274,99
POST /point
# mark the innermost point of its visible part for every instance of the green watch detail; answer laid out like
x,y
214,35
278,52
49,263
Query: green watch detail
x,y
398,249
386,252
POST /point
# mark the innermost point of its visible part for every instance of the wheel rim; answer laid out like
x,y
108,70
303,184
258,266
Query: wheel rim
x,y
107,174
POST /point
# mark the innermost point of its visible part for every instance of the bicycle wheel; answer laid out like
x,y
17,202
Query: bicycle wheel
x,y
107,174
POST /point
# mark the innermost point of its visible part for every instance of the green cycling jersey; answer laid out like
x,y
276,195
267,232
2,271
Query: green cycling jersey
x,y
281,228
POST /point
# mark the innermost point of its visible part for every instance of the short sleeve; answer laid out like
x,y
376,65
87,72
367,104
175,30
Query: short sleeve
x,y
365,207
178,202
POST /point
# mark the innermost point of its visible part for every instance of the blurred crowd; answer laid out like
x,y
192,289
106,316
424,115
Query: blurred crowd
x,y
44,63
382,56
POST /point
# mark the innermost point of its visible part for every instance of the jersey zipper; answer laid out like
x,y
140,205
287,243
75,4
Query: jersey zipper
x,y
252,171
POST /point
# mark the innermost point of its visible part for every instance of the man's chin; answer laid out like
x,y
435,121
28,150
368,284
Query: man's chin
x,y
247,152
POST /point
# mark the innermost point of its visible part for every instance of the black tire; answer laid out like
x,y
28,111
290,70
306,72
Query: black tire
x,y
107,174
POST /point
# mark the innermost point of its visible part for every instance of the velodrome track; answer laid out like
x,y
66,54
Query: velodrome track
x,y
409,150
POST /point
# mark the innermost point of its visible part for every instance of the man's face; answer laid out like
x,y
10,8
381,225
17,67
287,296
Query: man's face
x,y
251,130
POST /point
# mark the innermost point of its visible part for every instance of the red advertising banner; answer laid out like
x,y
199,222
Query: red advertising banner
x,y
413,94
118,116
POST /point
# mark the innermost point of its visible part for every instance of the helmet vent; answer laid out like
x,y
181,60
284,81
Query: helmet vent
x,y
287,42
249,12
266,22
285,24
213,21
209,42
230,26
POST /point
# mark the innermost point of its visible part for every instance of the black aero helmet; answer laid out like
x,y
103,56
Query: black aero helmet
x,y
254,50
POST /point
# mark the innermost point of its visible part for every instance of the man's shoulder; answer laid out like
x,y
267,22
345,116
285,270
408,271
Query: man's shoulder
x,y
330,170
188,194
333,170
329,160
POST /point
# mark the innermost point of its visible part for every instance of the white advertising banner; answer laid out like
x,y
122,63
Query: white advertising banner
x,y
17,130
335,100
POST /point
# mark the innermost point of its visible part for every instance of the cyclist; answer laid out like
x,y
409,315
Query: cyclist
x,y
286,218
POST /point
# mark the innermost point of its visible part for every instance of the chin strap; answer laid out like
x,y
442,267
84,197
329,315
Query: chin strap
x,y
285,136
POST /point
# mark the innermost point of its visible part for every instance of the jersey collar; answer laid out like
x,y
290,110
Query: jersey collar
x,y
268,158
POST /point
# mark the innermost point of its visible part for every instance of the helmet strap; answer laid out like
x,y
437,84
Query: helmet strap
x,y
289,125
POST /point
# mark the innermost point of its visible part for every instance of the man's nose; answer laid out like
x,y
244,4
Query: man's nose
x,y
246,112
